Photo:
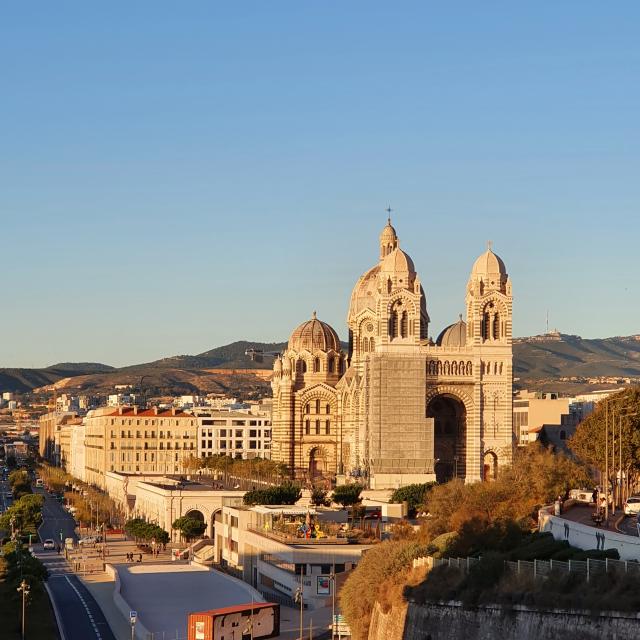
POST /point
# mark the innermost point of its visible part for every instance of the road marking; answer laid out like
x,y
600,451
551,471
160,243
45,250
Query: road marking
x,y
86,608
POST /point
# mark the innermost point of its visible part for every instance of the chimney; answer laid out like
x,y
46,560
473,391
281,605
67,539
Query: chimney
x,y
173,411
155,410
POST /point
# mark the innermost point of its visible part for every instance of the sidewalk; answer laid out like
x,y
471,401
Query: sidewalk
x,y
582,515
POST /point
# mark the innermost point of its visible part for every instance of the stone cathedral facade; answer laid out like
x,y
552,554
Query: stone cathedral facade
x,y
396,407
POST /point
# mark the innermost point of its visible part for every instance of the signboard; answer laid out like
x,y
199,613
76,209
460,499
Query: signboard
x,y
323,586
200,630
133,617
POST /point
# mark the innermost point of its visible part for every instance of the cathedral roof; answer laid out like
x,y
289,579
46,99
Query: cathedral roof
x,y
388,234
398,261
314,335
488,264
455,335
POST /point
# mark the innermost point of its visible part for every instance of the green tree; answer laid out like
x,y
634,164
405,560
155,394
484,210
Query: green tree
x,y
347,495
413,494
619,415
26,514
20,483
189,527
286,493
319,497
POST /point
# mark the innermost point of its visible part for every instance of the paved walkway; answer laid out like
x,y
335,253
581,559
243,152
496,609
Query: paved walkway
x,y
582,514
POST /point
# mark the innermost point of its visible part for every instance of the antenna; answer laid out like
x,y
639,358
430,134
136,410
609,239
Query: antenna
x,y
547,321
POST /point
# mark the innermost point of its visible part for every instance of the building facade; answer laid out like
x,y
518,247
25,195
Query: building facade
x,y
397,407
132,441
233,433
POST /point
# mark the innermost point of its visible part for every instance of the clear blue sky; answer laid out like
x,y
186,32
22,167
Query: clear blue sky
x,y
176,176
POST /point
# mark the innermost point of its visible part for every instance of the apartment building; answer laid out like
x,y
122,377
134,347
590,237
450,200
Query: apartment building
x,y
233,433
134,441
266,547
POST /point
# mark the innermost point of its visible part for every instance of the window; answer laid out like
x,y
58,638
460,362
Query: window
x,y
327,427
316,365
252,433
238,444
223,433
253,444
318,427
304,367
253,423
238,423
307,427
239,433
317,406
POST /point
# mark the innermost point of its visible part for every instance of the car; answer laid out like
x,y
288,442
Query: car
x,y
49,544
88,540
632,506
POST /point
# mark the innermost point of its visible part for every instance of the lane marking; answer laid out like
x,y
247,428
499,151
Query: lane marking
x,y
86,608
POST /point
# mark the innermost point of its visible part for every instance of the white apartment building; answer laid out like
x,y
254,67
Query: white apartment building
x,y
264,546
233,433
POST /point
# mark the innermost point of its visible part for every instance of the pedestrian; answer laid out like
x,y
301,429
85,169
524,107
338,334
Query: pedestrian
x,y
139,557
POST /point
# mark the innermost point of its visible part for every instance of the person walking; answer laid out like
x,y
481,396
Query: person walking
x,y
139,557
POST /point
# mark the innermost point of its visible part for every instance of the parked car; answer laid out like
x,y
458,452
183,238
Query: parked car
x,y
632,506
49,544
90,540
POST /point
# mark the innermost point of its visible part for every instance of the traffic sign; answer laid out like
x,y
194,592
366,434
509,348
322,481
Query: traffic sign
x,y
133,617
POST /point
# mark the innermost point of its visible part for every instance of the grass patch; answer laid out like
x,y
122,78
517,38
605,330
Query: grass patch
x,y
41,623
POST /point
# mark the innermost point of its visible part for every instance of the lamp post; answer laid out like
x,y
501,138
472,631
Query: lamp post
x,y
332,580
24,588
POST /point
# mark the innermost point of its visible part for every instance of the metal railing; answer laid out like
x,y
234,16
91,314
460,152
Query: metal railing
x,y
541,568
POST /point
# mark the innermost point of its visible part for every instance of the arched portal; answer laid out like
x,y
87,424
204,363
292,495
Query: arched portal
x,y
450,427
489,466
195,514
317,462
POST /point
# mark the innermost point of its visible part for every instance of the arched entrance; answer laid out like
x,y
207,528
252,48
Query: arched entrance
x,y
195,514
317,462
450,429
489,466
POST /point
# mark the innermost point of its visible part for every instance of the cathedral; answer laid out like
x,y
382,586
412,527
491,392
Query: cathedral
x,y
397,408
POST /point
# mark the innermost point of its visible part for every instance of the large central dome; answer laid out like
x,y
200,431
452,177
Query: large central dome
x,y
314,335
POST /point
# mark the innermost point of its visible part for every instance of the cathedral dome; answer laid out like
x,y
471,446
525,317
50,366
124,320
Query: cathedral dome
x,y
488,264
398,262
363,296
455,335
314,335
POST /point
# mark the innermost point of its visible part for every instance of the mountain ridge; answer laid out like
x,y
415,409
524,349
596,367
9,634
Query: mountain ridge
x,y
227,368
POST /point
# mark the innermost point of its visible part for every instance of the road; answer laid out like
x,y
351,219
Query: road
x,y
56,520
79,616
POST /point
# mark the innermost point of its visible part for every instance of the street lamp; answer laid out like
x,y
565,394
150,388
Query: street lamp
x,y
24,588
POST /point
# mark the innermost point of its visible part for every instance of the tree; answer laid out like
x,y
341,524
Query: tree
x,y
286,493
189,527
413,494
319,497
589,440
347,494
20,484
26,514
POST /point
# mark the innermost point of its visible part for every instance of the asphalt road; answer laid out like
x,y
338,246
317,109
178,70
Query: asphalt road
x,y
79,615
55,520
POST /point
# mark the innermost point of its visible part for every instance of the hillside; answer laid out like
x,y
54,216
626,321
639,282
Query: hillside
x,y
559,355
557,361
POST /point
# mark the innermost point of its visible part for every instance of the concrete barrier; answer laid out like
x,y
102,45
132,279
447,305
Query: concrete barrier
x,y
583,536
142,633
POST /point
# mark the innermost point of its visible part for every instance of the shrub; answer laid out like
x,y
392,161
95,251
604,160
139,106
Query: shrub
x,y
189,527
319,497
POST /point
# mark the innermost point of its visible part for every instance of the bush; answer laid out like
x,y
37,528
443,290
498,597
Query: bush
x,y
381,568
141,530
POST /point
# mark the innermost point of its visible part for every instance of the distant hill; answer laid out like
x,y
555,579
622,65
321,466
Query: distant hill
x,y
538,360
558,355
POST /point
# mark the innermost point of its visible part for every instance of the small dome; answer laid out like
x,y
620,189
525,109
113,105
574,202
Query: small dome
x,y
397,262
277,365
286,365
455,335
388,234
314,335
488,263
